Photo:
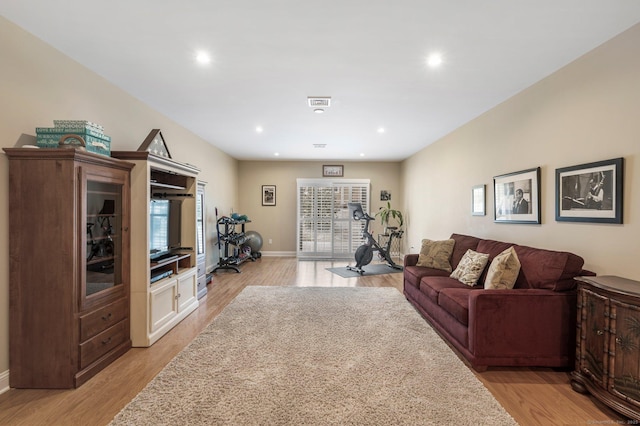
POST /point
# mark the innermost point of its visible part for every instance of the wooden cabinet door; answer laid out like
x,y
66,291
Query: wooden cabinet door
x,y
187,290
104,247
624,375
164,304
594,332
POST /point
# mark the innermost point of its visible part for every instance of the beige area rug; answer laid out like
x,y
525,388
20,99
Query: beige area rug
x,y
316,356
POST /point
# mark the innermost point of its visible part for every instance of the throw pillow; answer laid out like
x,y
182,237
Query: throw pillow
x,y
503,271
436,254
470,267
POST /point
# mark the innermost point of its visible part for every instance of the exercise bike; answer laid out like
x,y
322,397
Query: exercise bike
x,y
364,253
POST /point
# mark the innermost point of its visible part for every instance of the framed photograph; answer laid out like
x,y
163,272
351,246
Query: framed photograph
x,y
385,195
478,200
268,195
332,171
590,192
517,197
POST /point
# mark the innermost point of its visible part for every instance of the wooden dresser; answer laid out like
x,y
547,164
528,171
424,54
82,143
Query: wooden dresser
x,y
608,342
69,265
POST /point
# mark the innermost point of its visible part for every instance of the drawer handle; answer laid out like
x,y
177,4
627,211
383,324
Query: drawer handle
x,y
599,332
618,340
106,341
106,317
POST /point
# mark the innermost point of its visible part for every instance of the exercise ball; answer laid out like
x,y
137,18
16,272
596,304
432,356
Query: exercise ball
x,y
253,241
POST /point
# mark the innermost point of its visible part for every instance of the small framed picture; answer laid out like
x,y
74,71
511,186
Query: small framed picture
x,y
268,195
478,200
590,192
332,171
517,197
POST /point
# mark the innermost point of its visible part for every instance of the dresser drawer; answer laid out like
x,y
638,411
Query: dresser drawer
x,y
103,318
201,269
202,282
94,348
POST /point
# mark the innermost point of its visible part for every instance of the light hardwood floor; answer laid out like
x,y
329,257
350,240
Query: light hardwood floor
x,y
533,396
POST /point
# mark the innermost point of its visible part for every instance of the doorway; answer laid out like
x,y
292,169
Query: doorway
x,y
325,229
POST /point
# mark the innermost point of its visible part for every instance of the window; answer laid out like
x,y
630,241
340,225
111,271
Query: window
x,y
325,230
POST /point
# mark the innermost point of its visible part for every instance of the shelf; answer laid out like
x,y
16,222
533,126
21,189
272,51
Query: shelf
x,y
102,259
180,257
165,185
164,179
231,238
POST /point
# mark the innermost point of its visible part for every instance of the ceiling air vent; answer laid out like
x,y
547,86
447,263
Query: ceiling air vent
x,y
319,101
319,145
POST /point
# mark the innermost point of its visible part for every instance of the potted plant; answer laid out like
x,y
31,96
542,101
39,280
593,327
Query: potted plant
x,y
387,213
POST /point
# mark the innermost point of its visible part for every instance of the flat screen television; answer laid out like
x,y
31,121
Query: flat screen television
x,y
164,226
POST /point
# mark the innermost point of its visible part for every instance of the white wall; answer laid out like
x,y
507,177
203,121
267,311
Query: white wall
x,y
40,84
278,222
586,112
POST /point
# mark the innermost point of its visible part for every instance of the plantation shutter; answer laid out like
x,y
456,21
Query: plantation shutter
x,y
325,230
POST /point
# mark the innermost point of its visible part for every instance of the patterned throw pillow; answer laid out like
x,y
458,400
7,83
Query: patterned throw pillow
x,y
436,254
470,267
503,271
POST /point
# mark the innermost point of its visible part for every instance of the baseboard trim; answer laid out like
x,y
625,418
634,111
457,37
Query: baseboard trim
x,y
278,253
4,382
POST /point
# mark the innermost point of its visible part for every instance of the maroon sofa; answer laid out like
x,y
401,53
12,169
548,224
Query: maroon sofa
x,y
533,324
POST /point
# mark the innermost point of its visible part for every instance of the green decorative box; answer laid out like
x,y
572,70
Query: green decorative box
x,y
49,137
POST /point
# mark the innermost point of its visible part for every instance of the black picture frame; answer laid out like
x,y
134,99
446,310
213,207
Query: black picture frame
x,y
478,200
268,195
591,192
516,197
332,170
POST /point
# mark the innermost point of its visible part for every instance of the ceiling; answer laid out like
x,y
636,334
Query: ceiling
x,y
369,56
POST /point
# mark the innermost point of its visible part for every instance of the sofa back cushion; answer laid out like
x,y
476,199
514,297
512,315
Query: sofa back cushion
x,y
463,243
492,248
547,269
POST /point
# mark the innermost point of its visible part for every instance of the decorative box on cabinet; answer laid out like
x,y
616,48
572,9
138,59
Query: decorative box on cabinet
x,y
69,265
608,342
163,291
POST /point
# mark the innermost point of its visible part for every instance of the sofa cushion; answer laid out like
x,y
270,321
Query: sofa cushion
x,y
431,286
463,243
436,254
413,274
547,269
503,271
456,302
470,267
492,248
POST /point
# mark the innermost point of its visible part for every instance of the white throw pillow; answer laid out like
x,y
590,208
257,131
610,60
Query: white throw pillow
x,y
470,267
503,271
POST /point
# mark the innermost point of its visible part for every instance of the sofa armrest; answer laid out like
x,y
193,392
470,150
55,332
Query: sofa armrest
x,y
522,323
411,259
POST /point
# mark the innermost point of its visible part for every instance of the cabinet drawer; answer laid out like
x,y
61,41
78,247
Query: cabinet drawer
x,y
103,318
201,269
94,348
202,282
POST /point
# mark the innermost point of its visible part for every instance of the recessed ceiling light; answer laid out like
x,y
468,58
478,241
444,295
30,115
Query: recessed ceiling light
x,y
276,154
434,60
362,154
203,57
259,129
380,129
318,110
